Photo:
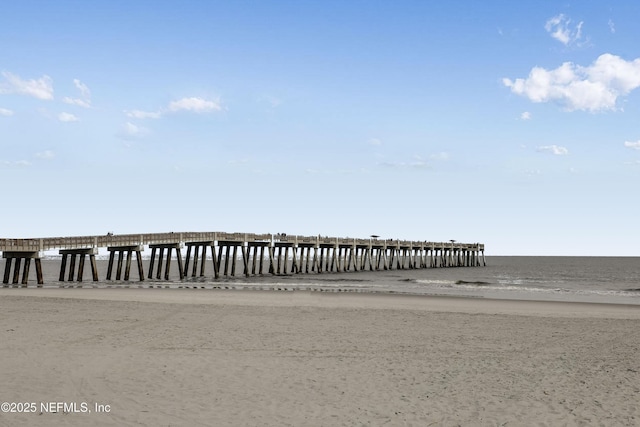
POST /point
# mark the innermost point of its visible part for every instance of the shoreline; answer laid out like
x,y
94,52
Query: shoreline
x,y
322,299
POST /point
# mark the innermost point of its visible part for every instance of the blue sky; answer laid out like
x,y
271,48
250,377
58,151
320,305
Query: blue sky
x,y
515,124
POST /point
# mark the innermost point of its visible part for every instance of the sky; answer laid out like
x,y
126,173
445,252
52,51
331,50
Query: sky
x,y
513,124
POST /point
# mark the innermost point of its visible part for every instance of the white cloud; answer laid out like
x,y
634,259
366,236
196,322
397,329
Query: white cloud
x,y
20,163
612,26
417,163
84,90
525,116
138,114
193,104
85,99
439,156
560,29
634,145
197,105
554,149
5,112
593,88
132,131
375,142
67,117
47,154
77,101
41,88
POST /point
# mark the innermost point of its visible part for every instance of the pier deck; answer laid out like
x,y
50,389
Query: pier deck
x,y
275,253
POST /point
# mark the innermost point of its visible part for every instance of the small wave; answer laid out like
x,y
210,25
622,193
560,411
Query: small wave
x,y
464,282
435,282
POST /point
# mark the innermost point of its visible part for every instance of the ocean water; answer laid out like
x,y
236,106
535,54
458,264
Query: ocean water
x,y
580,279
583,279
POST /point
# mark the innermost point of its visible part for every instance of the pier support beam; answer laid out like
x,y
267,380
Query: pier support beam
x,y
161,248
257,259
202,257
329,260
120,250
230,259
82,253
304,262
19,256
280,259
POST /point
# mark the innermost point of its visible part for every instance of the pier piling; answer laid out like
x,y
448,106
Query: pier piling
x,y
81,253
120,250
18,256
159,248
277,254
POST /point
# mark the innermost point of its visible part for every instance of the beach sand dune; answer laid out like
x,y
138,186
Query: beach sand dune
x,y
199,357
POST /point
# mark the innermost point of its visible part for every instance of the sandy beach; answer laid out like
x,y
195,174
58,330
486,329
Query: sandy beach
x,y
189,357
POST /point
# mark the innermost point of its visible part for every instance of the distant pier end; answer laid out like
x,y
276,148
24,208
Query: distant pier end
x,y
254,254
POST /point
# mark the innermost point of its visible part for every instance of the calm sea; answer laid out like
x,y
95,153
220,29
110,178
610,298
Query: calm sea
x,y
585,279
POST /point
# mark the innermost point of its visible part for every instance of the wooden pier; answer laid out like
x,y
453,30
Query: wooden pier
x,y
254,254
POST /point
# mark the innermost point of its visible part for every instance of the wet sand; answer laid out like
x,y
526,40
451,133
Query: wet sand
x,y
218,357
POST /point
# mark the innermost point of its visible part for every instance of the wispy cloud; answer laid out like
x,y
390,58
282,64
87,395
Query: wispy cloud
x,y
84,90
525,116
196,105
554,149
77,101
612,26
47,154
41,88
85,95
18,163
193,104
439,156
138,114
417,164
131,131
560,28
635,145
5,112
596,87
375,142
67,117
273,101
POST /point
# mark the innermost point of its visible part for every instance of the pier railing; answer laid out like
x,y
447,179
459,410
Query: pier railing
x,y
109,240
